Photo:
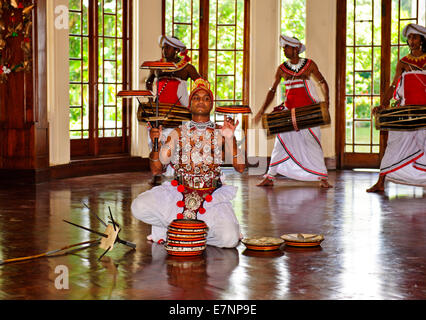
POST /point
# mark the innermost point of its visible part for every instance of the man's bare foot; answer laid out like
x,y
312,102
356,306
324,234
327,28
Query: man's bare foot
x,y
266,183
324,184
149,238
378,187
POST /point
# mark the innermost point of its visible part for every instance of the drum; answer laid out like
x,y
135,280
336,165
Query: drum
x,y
169,115
233,109
406,118
296,119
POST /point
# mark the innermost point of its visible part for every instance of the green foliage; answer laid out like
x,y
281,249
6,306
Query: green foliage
x,y
363,64
109,72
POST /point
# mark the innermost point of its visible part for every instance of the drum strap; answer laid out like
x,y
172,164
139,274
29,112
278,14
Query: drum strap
x,y
293,119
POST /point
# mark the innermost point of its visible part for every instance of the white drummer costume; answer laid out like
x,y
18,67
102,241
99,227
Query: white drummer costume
x,y
197,190
172,90
298,154
404,160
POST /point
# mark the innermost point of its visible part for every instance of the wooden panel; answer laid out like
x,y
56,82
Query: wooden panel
x,y
340,81
23,102
361,160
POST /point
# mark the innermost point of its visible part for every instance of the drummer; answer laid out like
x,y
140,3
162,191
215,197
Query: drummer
x,y
173,87
297,154
404,160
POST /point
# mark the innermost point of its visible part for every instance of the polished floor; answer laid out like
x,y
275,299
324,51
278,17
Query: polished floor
x,y
374,245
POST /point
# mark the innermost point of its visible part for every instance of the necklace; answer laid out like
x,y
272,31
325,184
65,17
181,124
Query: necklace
x,y
201,125
296,67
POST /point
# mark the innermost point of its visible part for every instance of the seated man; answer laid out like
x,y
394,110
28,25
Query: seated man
x,y
404,160
196,149
297,154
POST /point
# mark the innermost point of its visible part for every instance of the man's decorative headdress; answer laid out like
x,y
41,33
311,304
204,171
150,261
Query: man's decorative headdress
x,y
201,84
175,43
414,29
292,42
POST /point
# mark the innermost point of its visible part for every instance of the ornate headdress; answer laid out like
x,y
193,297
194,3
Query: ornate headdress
x,y
292,42
201,84
415,29
175,43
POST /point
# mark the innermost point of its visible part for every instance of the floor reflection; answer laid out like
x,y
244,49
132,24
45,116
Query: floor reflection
x,y
374,244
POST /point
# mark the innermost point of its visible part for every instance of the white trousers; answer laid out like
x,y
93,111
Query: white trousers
x,y
158,208
404,160
298,155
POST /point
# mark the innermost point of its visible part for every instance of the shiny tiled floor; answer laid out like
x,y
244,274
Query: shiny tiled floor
x,y
374,245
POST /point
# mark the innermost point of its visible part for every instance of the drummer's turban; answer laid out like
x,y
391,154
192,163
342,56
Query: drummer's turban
x,y
292,42
201,84
175,43
414,29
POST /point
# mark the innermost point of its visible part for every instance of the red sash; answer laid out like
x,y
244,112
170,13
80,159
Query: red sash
x,y
298,94
167,89
412,88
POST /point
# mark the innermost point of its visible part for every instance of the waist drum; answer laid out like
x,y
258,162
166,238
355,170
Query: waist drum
x,y
296,119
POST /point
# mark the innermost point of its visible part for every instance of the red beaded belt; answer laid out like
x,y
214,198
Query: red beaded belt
x,y
193,199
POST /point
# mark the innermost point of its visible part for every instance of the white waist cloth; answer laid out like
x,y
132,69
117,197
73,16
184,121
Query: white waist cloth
x,y
404,160
299,156
182,93
158,208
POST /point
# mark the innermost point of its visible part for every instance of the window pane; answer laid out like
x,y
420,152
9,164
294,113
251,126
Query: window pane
x,y
225,88
227,11
109,25
362,132
75,22
110,68
75,95
408,9
75,5
75,119
109,47
110,95
363,33
225,37
75,47
362,82
225,62
109,6
377,22
362,108
182,11
349,132
183,33
363,9
362,149
377,69
363,59
75,70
